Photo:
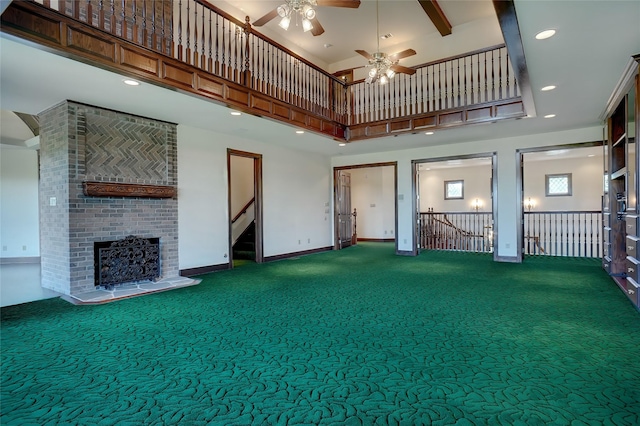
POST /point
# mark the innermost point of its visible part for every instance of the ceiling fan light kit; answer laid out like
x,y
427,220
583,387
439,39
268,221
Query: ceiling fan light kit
x,y
305,9
384,67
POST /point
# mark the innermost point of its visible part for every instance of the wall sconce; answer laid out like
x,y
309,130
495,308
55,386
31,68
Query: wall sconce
x,y
476,204
529,204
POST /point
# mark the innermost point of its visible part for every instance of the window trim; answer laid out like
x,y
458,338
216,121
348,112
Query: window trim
x,y
446,189
569,192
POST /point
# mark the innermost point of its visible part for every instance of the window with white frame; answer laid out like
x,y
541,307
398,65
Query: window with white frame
x,y
558,185
454,189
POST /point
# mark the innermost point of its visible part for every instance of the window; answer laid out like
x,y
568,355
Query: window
x,y
558,185
453,189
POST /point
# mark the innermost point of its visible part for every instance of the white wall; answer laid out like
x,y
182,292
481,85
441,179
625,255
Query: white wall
x,y
296,191
19,217
477,185
372,194
241,182
507,200
586,177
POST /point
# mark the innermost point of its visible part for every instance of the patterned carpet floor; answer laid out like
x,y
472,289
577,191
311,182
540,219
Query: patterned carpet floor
x,y
357,337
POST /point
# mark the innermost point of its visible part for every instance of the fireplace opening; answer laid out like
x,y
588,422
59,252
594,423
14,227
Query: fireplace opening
x,y
127,260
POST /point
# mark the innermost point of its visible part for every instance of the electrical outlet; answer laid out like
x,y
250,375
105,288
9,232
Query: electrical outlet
x,y
298,242
24,248
385,232
308,240
4,248
507,245
391,232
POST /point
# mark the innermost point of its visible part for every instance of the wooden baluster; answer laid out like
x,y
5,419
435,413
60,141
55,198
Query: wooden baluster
x,y
46,3
123,25
235,52
247,54
493,78
405,96
154,35
203,57
459,92
145,30
180,30
421,89
472,89
134,24
162,42
479,88
230,38
452,89
223,63
196,62
210,57
507,83
500,74
217,62
75,5
262,68
189,57
112,18
486,82
465,99
251,57
439,86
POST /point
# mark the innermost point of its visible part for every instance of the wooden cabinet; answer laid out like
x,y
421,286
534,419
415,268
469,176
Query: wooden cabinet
x,y
620,210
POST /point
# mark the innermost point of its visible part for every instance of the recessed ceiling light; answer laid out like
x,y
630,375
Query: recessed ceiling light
x,y
299,132
428,133
342,144
236,113
386,36
130,82
327,45
545,34
591,155
547,88
549,116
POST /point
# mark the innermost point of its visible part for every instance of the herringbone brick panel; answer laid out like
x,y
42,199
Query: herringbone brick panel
x,y
125,150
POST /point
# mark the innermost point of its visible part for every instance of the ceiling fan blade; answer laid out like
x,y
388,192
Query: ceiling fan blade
x,y
340,3
365,54
403,70
266,18
317,28
403,54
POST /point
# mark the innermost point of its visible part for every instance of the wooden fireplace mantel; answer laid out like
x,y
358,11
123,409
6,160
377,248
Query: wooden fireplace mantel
x,y
110,189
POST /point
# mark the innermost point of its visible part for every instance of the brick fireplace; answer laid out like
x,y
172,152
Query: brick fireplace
x,y
81,147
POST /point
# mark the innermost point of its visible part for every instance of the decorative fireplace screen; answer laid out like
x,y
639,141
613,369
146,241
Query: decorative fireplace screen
x,y
128,260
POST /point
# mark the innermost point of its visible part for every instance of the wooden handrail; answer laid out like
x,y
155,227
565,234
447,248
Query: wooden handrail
x,y
243,210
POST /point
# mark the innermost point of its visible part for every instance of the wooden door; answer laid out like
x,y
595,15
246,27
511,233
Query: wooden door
x,y
345,217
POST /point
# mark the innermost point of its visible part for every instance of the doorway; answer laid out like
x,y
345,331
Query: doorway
x,y
244,180
365,204
560,200
455,203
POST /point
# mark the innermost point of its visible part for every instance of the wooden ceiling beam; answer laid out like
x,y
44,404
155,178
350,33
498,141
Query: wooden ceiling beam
x,y
506,12
437,16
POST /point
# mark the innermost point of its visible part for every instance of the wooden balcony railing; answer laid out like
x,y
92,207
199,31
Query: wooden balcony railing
x,y
225,59
474,78
460,231
568,233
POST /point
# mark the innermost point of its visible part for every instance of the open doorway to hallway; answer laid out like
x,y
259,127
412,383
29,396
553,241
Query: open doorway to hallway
x,y
561,201
245,207
455,203
365,204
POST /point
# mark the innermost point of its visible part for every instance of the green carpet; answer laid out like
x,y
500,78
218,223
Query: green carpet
x,y
357,337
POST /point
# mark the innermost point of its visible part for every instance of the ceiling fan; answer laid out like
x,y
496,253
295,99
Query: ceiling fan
x,y
383,66
305,9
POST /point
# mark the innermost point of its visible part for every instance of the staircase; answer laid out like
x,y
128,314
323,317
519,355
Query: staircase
x,y
245,246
